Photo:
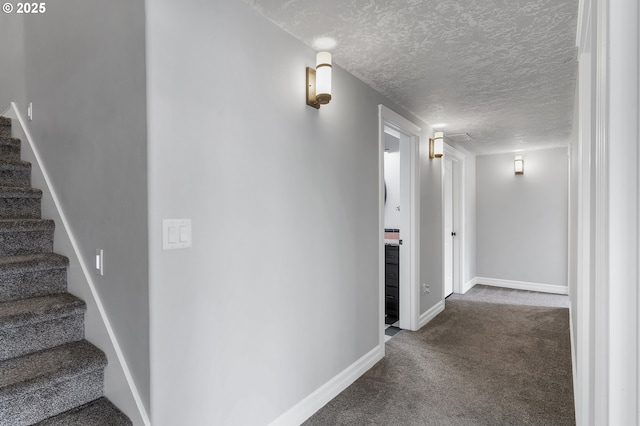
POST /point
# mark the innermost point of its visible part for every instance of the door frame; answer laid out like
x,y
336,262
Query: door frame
x,y
449,226
458,223
409,289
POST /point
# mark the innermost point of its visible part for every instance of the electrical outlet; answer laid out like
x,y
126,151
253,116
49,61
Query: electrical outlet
x,y
426,288
30,111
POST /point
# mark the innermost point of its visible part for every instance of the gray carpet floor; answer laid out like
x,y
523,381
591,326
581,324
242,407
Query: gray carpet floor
x,y
490,294
476,363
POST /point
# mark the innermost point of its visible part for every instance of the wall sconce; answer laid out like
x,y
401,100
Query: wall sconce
x,y
436,145
319,81
518,165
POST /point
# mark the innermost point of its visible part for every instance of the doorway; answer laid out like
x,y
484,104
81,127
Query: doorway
x,y
449,232
405,209
453,220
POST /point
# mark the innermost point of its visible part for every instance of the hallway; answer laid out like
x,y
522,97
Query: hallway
x,y
477,363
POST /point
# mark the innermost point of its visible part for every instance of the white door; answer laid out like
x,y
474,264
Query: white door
x,y
448,227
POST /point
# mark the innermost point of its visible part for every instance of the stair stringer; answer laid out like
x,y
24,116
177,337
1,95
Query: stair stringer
x,y
119,385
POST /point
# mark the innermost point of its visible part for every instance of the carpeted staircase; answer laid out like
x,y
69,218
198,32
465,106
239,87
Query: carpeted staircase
x,y
49,375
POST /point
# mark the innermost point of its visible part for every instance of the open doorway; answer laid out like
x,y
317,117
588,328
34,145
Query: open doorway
x,y
393,209
398,257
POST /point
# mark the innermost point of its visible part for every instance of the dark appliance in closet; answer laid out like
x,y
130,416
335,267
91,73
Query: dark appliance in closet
x,y
392,281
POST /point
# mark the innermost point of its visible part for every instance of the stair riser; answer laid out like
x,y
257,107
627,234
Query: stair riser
x,y
26,242
5,131
15,178
50,401
32,284
20,208
19,341
10,152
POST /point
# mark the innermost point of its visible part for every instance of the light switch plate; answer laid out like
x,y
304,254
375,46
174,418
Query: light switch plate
x,y
100,261
176,234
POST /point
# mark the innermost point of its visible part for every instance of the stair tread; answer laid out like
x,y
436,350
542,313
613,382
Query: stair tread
x,y
19,192
100,412
19,313
32,262
12,225
11,164
27,373
10,141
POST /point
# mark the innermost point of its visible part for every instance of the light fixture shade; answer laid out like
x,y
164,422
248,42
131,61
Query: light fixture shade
x,y
319,81
518,165
323,77
436,145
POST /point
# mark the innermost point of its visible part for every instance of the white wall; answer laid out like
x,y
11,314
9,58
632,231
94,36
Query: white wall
x,y
84,71
522,219
280,291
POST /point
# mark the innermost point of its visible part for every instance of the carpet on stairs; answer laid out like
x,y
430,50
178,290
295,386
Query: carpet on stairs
x,y
49,375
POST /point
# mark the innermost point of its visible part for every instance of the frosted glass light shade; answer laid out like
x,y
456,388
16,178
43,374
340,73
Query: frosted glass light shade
x,y
436,145
518,165
323,77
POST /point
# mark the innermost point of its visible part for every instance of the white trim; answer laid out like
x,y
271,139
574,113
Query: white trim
x,y
450,256
583,253
600,257
85,269
409,294
300,412
398,121
430,314
414,285
469,285
618,143
523,285
583,390
574,361
582,32
381,249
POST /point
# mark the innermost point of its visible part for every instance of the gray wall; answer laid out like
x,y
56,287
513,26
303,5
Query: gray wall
x,y
85,74
279,292
12,62
469,267
431,260
522,219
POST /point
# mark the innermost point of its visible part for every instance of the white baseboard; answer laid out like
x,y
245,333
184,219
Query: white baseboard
x,y
523,285
574,361
469,285
300,412
430,314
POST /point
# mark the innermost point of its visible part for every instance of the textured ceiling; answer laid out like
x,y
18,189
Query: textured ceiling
x,y
501,71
